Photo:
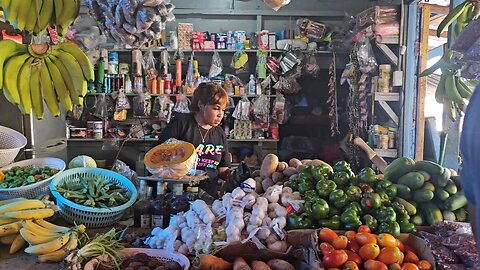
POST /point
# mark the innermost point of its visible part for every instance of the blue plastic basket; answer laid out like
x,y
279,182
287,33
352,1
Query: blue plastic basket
x,y
90,216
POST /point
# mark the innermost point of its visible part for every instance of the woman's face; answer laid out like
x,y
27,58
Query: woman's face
x,y
213,114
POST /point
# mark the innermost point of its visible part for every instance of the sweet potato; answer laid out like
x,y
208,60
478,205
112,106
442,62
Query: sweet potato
x,y
240,264
294,162
258,265
277,264
269,165
211,262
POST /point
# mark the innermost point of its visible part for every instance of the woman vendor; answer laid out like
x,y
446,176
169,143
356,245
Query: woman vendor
x,y
202,129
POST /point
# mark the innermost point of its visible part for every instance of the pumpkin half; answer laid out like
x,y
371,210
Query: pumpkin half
x,y
171,160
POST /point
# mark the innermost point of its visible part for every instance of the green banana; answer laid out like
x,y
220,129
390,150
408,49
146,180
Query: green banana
x,y
443,63
451,111
463,89
440,92
35,90
451,17
452,91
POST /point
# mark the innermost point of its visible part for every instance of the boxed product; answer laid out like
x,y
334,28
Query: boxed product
x,y
185,31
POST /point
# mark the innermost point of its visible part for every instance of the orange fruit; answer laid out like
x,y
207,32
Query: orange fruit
x,y
409,266
394,266
349,265
387,240
374,265
369,251
327,235
410,257
364,228
326,248
350,235
340,242
389,255
424,265
365,238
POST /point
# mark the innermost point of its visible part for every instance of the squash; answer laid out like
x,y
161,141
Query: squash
x,y
171,160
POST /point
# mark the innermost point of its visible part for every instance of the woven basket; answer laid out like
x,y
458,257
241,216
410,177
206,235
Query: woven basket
x,y
159,254
11,142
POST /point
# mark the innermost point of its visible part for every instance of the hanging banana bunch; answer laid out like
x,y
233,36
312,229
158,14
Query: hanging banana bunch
x,y
35,15
31,74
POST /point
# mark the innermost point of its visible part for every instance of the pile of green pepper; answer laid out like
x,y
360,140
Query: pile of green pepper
x,y
23,176
339,199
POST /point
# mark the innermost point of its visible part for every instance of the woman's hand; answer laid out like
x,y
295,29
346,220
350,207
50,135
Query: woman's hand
x,y
225,173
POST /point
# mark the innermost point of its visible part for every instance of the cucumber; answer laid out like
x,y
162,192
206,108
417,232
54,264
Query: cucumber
x,y
429,186
404,191
411,209
413,180
430,167
439,181
422,195
431,213
398,168
449,215
461,214
457,181
455,202
426,175
417,220
451,187
441,194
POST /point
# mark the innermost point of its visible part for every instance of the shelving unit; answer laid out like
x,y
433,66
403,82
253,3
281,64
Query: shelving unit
x,y
174,95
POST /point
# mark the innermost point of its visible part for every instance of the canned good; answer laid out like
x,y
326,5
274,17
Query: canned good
x,y
384,141
95,129
385,71
383,85
391,139
123,68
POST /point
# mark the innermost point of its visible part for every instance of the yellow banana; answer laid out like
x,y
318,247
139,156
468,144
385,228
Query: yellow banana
x,y
452,91
8,240
67,16
66,76
9,48
11,200
73,66
12,67
34,238
5,220
38,230
35,89
59,85
11,228
59,255
24,85
451,17
49,247
22,205
46,87
17,244
31,214
45,16
50,226
81,57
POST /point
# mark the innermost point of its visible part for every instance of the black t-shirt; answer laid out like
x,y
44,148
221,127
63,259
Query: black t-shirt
x,y
211,153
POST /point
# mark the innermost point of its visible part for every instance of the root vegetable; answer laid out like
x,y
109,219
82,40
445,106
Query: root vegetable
x,y
272,194
281,211
297,195
263,233
240,264
294,162
249,200
306,162
238,193
277,177
287,190
272,215
277,264
255,173
266,183
272,206
279,246
269,165
282,166
258,185
272,238
300,168
281,221
258,265
266,221
288,172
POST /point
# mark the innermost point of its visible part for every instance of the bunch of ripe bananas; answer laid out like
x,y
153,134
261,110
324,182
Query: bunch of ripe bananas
x,y
30,74
35,15
22,221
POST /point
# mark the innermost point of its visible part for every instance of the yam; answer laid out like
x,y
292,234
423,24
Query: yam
x,y
266,183
240,264
255,173
269,165
282,166
278,264
290,171
258,265
211,262
277,177
294,162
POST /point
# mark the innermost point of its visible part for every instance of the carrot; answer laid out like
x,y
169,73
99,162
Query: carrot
x,y
258,265
211,262
240,264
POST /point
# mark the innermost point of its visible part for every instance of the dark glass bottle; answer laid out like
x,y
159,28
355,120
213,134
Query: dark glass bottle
x,y
160,208
179,204
142,215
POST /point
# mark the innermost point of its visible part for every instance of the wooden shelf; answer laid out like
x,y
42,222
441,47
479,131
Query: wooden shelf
x,y
387,96
388,153
219,50
393,40
111,139
174,95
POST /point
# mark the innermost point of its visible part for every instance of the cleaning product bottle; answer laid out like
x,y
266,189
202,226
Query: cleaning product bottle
x,y
252,85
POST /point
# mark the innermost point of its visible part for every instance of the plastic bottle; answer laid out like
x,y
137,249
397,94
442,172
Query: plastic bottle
x,y
252,85
168,84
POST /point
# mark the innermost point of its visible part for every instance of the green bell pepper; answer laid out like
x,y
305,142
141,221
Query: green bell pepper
x,y
354,206
341,166
371,201
338,198
321,172
354,193
391,227
304,185
341,178
406,227
301,221
367,175
293,184
370,221
386,214
353,226
382,185
310,195
349,216
325,187
317,210
333,223
402,213
384,198
334,211
391,190
306,173
366,188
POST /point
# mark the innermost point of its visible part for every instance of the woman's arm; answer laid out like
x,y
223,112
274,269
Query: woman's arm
x,y
224,173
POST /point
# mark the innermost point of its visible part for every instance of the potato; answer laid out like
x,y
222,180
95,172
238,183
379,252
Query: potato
x,y
130,268
258,186
144,268
294,162
136,264
290,171
293,177
306,162
259,265
269,165
277,264
277,177
141,257
300,168
279,246
255,173
172,266
280,183
282,166
161,267
153,263
266,183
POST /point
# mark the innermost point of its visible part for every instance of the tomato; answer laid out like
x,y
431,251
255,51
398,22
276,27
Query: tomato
x,y
402,257
408,248
365,238
353,246
335,258
340,242
350,235
364,228
374,265
326,248
424,265
411,257
354,257
400,245
389,255
394,266
409,266
327,235
349,265
387,240
369,251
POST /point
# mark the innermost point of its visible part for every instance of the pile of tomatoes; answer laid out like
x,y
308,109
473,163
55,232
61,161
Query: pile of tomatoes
x,y
365,250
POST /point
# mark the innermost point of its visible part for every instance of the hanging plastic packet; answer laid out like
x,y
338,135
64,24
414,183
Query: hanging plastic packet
x,y
279,109
217,66
310,66
189,80
182,105
162,108
164,62
262,65
101,106
287,85
261,108
77,112
239,62
121,106
366,57
242,110
142,105
276,4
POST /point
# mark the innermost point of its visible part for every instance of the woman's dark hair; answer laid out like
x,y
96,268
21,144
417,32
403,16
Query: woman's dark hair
x,y
208,94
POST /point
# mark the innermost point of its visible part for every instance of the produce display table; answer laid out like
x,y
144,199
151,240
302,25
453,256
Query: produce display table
x,y
23,261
